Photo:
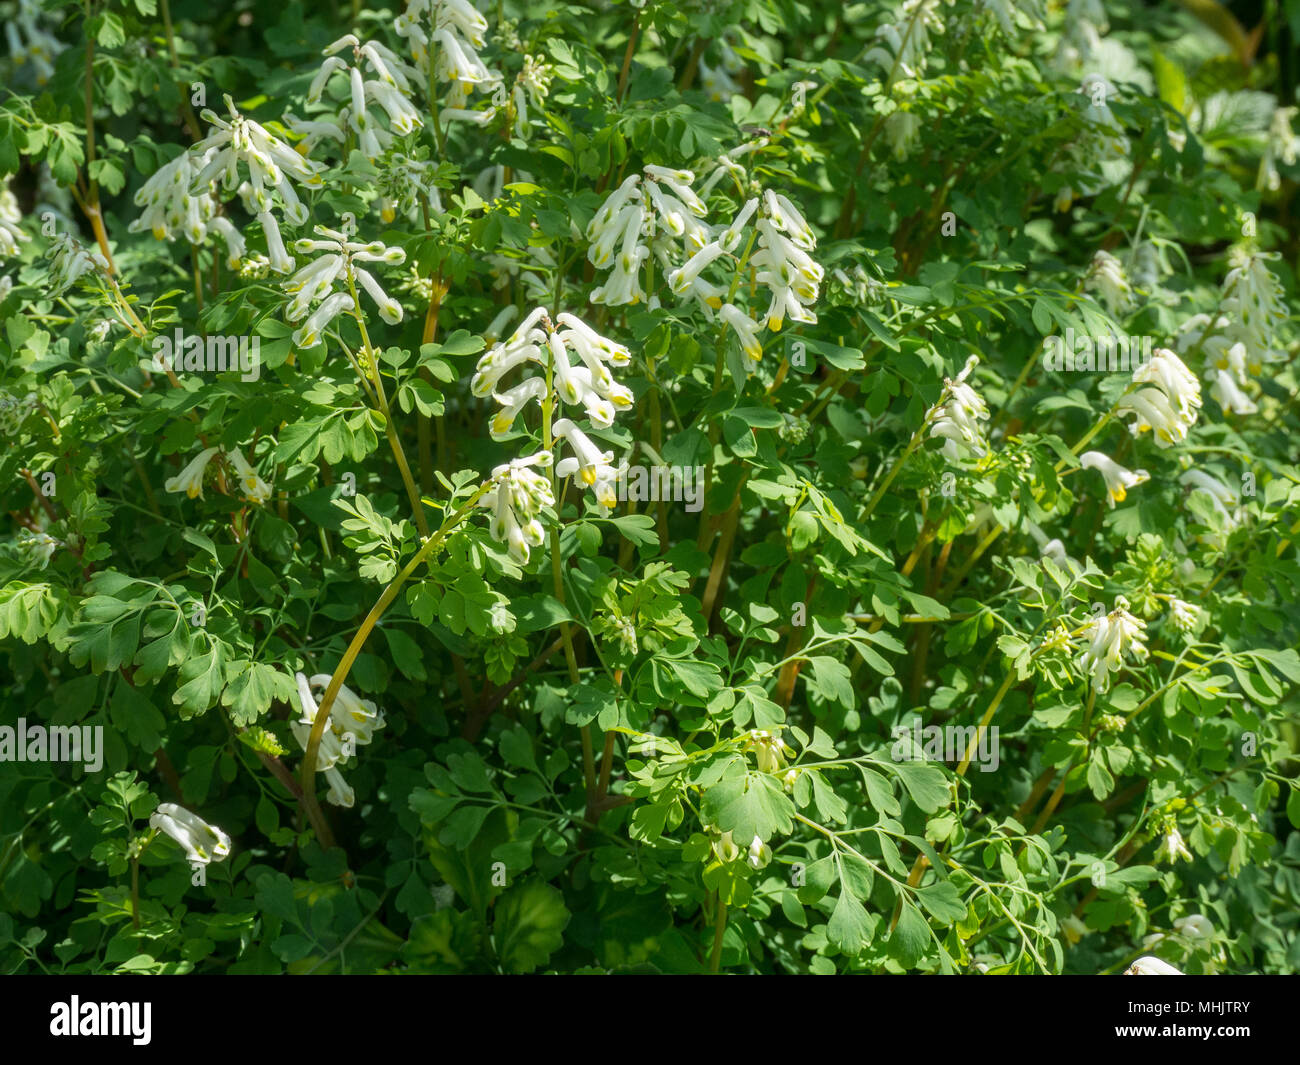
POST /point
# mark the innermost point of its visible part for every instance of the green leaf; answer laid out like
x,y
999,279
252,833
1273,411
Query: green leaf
x,y
528,926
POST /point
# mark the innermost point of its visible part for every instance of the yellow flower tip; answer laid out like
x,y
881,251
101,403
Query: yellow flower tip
x,y
1119,494
714,301
159,233
387,214
589,475
301,148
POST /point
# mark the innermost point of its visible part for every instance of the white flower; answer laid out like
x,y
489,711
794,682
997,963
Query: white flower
x,y
315,281
759,854
11,235
1106,277
351,723
1172,847
70,260
1230,397
1118,479
1109,638
1194,926
457,30
201,841
350,713
902,128
957,417
785,267
270,163
1168,408
1282,145
654,213
515,499
1255,297
904,43
531,86
39,547
190,479
725,849
1151,966
746,330
770,751
255,489
376,77
1183,616
1226,501
31,46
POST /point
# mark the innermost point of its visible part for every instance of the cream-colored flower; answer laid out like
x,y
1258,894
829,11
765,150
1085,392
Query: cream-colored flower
x,y
1118,479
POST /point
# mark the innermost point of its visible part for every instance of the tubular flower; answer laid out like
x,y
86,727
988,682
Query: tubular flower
x,y
957,416
457,31
1118,479
587,382
1169,407
376,77
648,215
71,260
1172,847
1282,145
770,751
352,723
202,842
10,217
1194,926
1183,616
515,499
254,488
1109,638
31,46
315,282
759,854
350,713
531,86
190,479
1106,278
268,159
171,205
1151,966
905,42
1254,296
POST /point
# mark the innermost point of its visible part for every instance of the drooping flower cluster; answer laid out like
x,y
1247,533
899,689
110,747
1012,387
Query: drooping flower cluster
x,y
353,722
11,234
1106,278
1167,404
270,164
531,86
644,215
587,383
70,260
30,43
1110,637
957,417
905,42
1283,146
172,205
454,31
516,499
202,842
376,77
190,479
314,283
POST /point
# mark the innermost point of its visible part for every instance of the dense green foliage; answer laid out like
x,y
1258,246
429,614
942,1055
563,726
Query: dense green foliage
x,y
938,651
